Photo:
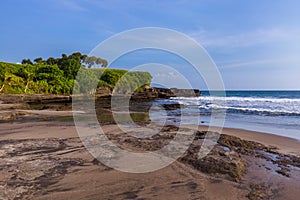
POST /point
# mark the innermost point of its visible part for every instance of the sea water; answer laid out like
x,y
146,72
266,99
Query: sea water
x,y
276,112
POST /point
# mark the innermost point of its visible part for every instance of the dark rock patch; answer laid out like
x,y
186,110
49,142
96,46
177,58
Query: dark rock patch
x,y
259,192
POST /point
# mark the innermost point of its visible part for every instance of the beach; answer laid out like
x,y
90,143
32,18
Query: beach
x,y
44,158
149,100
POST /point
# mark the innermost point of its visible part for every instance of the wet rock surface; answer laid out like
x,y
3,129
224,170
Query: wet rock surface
x,y
227,157
284,162
153,93
12,115
29,167
259,192
232,158
34,99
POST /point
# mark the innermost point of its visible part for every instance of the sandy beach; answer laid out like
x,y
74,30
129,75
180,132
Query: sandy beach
x,y
45,159
149,100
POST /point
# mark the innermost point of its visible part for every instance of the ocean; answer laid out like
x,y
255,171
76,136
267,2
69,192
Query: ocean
x,y
275,112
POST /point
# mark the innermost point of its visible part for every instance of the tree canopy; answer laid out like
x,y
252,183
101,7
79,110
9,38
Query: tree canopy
x,y
60,75
72,63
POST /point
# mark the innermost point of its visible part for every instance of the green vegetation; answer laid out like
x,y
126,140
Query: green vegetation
x,y
59,76
122,81
70,64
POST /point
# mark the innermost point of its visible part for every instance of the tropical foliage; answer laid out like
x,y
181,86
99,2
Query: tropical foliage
x,y
62,75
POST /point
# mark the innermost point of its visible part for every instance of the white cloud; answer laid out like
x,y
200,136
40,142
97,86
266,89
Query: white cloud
x,y
235,64
292,62
72,5
245,39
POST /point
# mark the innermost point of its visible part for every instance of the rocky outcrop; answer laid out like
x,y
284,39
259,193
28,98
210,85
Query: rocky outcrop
x,y
103,92
153,93
63,102
34,98
218,161
12,115
186,92
230,156
259,192
35,102
221,160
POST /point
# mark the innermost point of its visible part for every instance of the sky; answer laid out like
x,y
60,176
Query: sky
x,y
254,44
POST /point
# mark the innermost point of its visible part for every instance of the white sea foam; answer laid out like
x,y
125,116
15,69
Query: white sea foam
x,y
244,99
275,112
250,105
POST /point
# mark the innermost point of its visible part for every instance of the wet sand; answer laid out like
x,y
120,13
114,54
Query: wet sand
x,y
45,159
284,144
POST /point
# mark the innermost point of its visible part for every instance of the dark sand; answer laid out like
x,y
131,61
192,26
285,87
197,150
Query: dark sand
x,y
47,160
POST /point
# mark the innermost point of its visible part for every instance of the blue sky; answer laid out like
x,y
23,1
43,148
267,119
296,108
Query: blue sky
x,y
255,44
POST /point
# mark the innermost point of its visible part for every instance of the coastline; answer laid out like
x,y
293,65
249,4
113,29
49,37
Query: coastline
x,y
43,157
51,119
284,144
150,100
